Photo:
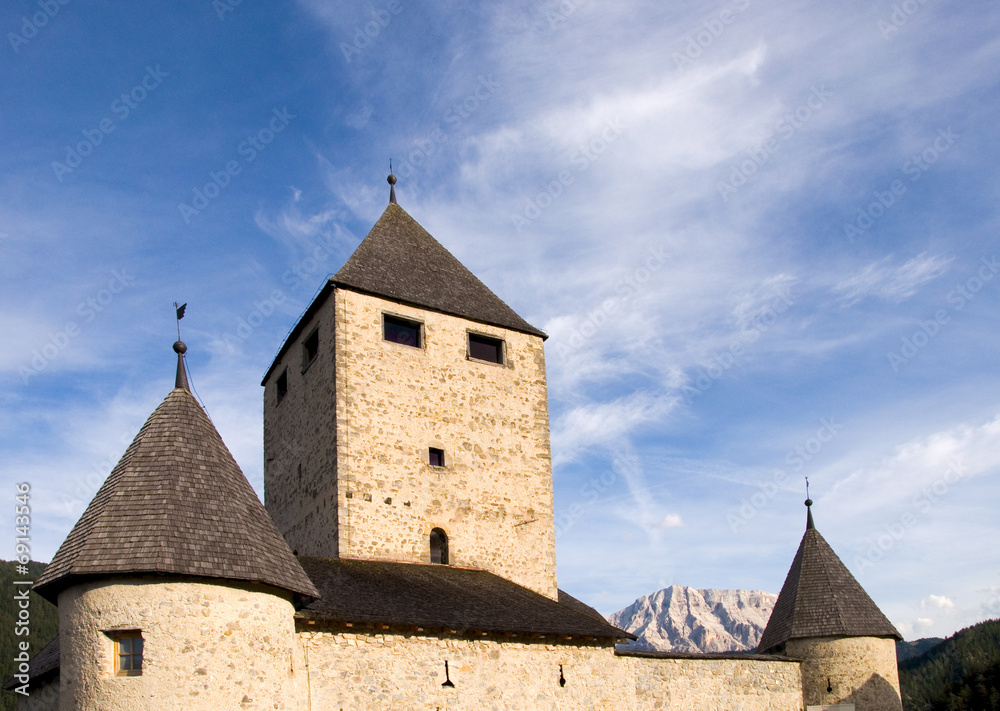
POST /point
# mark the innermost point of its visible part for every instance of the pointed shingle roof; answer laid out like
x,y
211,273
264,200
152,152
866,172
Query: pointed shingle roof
x,y
820,598
399,260
176,504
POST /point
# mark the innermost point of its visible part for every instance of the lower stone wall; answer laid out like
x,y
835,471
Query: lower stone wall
x,y
714,684
206,646
858,670
369,670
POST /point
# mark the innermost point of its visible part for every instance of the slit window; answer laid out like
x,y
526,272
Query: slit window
x,y
402,331
282,385
439,547
435,457
486,348
310,349
128,653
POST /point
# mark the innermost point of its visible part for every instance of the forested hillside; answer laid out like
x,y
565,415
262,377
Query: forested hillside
x,y
960,674
44,624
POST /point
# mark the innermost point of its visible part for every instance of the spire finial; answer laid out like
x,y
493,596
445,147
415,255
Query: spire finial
x,y
392,184
180,349
809,511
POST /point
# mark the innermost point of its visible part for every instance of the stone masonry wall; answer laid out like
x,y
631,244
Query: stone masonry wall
x,y
300,444
206,647
493,497
368,670
860,670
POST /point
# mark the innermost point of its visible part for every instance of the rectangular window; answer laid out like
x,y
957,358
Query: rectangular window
x,y
128,653
310,349
282,384
486,348
435,457
402,330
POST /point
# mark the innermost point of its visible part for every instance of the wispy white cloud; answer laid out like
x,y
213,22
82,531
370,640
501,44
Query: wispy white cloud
x,y
892,283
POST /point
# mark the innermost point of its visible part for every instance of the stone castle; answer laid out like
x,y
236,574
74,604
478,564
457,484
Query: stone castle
x,y
405,554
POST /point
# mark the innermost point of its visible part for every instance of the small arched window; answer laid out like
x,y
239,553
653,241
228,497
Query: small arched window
x,y
439,547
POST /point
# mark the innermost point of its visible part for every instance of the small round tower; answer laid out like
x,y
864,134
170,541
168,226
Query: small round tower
x,y
825,618
175,589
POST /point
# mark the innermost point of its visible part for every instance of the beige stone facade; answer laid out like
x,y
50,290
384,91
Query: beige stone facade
x,y
360,670
859,670
347,470
207,646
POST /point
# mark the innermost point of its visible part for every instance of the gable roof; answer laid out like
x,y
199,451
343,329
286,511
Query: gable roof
x,y
42,667
415,594
399,260
177,504
820,598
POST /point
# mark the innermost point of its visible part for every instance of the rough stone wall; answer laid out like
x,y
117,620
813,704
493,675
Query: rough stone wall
x,y
206,647
717,684
359,670
300,444
861,670
493,497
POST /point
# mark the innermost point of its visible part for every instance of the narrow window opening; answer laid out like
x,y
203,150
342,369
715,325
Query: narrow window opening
x,y
128,653
447,677
439,547
282,385
402,330
486,348
310,349
435,457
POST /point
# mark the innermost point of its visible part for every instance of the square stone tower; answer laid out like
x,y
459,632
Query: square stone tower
x,y
406,418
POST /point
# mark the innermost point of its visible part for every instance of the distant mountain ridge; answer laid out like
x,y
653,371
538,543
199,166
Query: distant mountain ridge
x,y
683,619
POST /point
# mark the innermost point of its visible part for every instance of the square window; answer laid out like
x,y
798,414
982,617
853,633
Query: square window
x,y
401,330
486,348
310,349
282,384
128,653
435,457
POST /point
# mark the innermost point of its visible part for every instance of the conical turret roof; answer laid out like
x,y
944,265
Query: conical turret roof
x,y
176,504
820,598
399,260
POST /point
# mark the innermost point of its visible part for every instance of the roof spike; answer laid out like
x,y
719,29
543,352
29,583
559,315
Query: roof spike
x,y
180,348
392,185
809,512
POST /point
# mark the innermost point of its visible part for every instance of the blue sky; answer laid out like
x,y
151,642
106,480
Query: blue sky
x,y
761,235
